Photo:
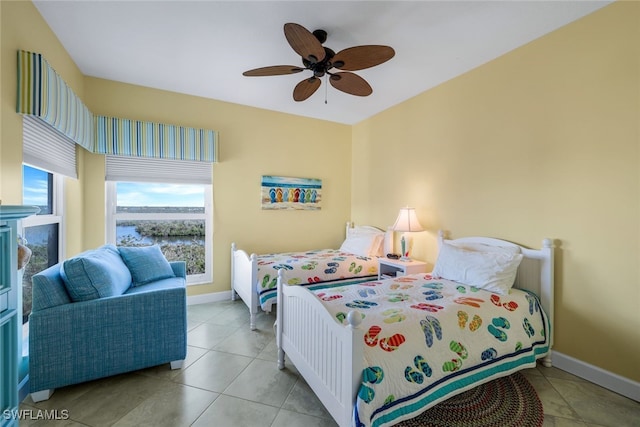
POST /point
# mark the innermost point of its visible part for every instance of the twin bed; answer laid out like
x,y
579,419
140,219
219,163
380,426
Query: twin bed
x,y
379,352
254,277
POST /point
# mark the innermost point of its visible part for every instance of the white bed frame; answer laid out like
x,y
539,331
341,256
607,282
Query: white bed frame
x,y
244,276
330,356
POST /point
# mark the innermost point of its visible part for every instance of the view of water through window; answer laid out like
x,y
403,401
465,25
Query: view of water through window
x,y
169,215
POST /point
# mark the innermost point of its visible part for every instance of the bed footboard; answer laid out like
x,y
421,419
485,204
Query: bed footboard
x,y
244,273
327,354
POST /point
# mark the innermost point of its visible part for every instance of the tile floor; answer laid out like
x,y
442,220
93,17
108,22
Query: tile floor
x,y
230,379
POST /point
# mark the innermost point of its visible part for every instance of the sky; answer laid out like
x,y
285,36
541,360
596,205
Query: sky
x,y
154,194
129,193
34,192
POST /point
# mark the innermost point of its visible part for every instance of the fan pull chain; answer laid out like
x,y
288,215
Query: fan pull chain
x,y
326,89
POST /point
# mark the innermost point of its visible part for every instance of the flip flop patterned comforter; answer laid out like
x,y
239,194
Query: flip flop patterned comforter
x,y
429,339
311,268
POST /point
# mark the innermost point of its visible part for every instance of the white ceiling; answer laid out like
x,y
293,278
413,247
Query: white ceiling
x,y
202,47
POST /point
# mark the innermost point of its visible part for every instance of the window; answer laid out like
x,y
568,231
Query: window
x,y
48,157
174,216
42,232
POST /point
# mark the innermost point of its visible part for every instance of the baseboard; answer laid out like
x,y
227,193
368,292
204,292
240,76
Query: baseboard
x,y
210,297
23,388
606,379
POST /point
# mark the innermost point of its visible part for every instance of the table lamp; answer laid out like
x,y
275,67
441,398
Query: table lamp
x,y
407,222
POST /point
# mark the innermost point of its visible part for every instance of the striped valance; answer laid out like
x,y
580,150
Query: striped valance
x,y
43,93
126,137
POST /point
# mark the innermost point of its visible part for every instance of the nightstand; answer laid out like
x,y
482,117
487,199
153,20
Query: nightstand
x,y
388,267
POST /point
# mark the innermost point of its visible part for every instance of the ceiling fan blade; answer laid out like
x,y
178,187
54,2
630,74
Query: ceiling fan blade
x,y
306,88
361,57
351,83
275,70
304,42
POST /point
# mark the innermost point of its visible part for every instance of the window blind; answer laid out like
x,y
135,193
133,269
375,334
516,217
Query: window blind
x,y
46,148
145,169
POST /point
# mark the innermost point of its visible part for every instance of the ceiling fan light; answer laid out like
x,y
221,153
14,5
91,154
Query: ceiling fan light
x,y
321,35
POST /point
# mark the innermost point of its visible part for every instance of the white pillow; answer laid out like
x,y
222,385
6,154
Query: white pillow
x,y
377,247
357,237
483,247
494,271
368,244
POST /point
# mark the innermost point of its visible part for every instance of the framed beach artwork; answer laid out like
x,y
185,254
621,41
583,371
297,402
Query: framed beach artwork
x,y
284,193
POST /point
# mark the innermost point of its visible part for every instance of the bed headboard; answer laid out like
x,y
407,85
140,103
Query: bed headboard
x,y
388,235
535,273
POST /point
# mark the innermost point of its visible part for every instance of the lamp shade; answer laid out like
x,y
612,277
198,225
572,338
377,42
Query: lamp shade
x,y
407,221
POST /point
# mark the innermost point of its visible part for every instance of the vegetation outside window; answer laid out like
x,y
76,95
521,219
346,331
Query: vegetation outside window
x,y
42,233
174,216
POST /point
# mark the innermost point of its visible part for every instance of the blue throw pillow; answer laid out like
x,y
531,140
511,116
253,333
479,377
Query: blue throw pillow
x,y
146,264
95,274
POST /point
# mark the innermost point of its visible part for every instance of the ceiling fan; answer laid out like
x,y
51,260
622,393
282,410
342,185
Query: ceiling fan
x,y
323,61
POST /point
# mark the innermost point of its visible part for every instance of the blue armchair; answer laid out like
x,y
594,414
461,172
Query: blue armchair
x,y
105,312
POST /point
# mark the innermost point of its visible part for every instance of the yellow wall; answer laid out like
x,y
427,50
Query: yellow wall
x,y
253,142
542,142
